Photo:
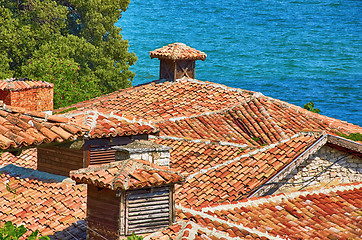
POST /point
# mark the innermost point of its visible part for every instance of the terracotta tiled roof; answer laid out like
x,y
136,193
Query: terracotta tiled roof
x,y
159,101
27,159
20,128
256,122
103,124
15,84
188,108
47,207
240,175
190,156
178,51
125,175
331,213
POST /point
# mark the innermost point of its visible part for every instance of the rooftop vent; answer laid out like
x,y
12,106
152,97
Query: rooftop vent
x,y
126,197
177,60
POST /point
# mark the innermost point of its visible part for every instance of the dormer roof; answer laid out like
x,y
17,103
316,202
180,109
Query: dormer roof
x,y
126,175
178,51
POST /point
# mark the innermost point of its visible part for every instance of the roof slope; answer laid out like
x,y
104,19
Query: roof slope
x,y
125,175
332,213
240,175
327,213
20,128
107,124
188,108
159,101
47,207
26,159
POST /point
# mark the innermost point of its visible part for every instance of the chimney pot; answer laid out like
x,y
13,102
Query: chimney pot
x,y
177,60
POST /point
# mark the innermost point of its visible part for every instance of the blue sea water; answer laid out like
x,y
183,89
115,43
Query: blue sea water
x,y
294,50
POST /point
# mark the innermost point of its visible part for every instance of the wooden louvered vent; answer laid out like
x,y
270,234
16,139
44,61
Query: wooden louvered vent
x,y
101,155
148,210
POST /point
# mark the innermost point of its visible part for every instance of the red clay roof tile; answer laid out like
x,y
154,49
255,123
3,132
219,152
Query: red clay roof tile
x,y
15,84
42,206
178,51
125,175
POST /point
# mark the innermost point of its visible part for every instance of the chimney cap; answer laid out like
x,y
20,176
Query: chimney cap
x,y
178,51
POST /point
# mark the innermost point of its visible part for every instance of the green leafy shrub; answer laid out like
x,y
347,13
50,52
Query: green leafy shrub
x,y
11,232
310,107
134,237
352,136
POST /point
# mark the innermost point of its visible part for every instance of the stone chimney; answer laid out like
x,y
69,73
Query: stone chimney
x,y
177,61
144,150
26,93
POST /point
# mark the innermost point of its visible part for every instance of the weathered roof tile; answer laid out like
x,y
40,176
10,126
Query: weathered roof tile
x,y
125,175
178,51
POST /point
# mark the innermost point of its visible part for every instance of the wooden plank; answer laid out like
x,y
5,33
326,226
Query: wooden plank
x,y
149,214
146,230
122,214
171,205
136,209
150,199
149,222
126,213
145,204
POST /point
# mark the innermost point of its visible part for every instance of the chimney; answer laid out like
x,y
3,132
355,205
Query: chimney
x,y
177,60
128,196
144,150
26,93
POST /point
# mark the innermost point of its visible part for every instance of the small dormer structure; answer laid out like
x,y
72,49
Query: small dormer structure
x,y
177,60
28,94
128,196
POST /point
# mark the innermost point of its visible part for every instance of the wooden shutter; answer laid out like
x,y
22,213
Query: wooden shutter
x,y
101,155
147,210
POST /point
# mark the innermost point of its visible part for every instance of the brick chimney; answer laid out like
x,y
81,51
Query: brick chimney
x,y
129,195
177,60
26,93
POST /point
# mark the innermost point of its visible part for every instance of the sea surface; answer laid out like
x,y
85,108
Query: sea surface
x,y
294,50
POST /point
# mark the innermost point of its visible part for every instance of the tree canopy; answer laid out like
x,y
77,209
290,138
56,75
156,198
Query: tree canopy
x,y
71,43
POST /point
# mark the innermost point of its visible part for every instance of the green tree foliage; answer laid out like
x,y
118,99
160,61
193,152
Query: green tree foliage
x,y
134,237
11,232
71,43
310,107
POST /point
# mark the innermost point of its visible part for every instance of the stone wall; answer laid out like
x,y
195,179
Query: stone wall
x,y
144,150
346,170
